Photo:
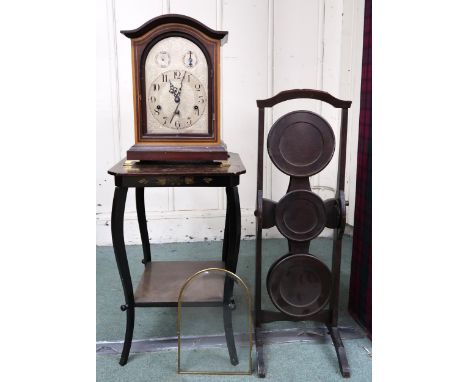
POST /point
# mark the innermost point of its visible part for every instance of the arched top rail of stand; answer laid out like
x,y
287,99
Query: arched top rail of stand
x,y
303,93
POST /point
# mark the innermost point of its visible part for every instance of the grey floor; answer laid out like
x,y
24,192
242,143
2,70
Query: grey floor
x,y
285,361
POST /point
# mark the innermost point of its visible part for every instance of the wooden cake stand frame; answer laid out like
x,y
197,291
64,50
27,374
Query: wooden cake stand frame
x,y
335,217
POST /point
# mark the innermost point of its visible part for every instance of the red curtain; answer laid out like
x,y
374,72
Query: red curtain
x,y
360,289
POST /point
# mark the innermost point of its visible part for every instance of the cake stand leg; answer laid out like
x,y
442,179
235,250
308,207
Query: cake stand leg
x,y
259,349
340,351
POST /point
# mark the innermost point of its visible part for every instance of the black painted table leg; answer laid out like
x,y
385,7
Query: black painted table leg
x,y
140,207
227,317
230,256
226,231
117,223
128,334
233,221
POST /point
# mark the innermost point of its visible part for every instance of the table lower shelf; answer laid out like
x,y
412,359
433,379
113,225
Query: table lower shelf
x,y
161,282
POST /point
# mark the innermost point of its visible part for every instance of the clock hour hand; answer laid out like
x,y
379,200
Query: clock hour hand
x,y
176,92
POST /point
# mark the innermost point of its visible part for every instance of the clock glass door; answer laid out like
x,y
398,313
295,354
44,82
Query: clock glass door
x,y
176,87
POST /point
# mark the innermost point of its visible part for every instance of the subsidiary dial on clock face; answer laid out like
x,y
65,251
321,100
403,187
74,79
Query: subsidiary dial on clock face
x,y
177,99
163,59
190,59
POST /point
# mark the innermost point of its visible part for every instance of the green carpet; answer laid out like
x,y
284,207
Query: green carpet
x,y
284,362
288,362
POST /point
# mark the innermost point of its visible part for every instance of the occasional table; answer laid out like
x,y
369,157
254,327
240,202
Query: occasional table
x,y
161,281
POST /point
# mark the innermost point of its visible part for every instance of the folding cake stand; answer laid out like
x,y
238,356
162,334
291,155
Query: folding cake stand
x,y
302,288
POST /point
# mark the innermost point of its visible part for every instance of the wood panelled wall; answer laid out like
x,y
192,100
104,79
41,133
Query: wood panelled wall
x,y
273,45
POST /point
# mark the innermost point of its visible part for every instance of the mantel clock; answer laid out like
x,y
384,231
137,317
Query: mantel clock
x,y
176,89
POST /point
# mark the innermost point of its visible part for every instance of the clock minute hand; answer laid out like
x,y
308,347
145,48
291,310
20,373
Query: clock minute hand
x,y
182,82
180,93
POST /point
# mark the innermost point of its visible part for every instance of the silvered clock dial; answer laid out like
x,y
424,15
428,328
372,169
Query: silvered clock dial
x,y
176,88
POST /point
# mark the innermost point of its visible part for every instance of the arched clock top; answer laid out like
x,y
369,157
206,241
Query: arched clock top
x,y
175,19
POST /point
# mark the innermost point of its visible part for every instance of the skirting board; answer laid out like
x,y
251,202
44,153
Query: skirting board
x,y
184,226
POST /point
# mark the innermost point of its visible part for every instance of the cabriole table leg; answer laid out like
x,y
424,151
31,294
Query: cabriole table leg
x,y
117,222
230,256
141,214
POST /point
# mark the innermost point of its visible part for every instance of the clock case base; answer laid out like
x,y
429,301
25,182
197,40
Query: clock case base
x,y
178,153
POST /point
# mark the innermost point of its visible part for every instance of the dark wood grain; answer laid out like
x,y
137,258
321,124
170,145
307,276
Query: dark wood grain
x,y
117,223
299,183
175,18
268,316
303,93
300,215
166,174
260,143
210,48
340,351
206,146
340,177
141,214
117,226
301,143
332,207
178,153
233,166
258,257
234,218
261,372
332,214
268,214
161,282
299,285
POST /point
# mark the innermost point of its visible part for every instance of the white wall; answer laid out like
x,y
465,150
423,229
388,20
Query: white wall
x,y
273,45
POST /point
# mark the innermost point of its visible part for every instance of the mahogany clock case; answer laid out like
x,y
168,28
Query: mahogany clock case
x,y
178,145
